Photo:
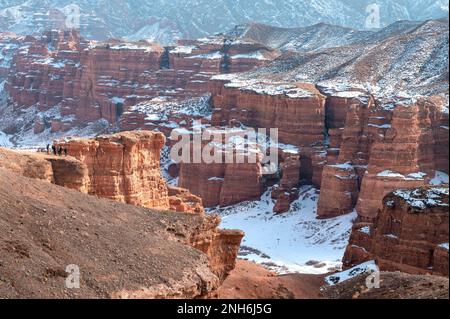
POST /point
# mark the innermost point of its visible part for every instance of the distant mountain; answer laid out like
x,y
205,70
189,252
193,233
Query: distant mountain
x,y
403,58
165,21
316,37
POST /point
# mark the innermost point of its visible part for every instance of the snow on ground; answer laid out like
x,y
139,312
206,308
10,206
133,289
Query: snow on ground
x,y
184,49
439,178
26,138
5,140
161,108
209,56
257,55
165,163
365,268
422,199
291,242
409,177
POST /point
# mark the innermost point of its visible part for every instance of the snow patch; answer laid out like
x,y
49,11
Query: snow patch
x,y
365,268
5,140
409,177
439,178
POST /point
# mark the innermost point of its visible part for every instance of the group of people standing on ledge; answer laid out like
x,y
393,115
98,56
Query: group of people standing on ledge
x,y
57,151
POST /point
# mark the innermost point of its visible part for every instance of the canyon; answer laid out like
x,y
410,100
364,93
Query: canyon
x,y
354,144
70,82
130,182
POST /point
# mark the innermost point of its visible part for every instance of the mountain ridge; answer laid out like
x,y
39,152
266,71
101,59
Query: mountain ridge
x,y
166,22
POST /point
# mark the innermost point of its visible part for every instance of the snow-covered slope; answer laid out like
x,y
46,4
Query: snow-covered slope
x,y
167,20
404,58
318,36
292,242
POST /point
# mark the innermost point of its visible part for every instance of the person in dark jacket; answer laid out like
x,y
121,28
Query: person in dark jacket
x,y
54,149
65,151
60,150
48,149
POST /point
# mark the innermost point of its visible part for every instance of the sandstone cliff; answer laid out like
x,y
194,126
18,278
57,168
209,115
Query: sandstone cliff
x,y
353,146
297,110
123,167
410,233
409,155
221,182
79,82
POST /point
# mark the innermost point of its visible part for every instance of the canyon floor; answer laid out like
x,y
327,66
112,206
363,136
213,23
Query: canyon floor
x,y
251,281
293,242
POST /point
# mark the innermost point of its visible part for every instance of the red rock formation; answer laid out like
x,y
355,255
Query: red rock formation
x,y
388,144
221,246
298,111
92,81
181,200
339,190
405,156
221,182
287,191
124,167
71,173
410,233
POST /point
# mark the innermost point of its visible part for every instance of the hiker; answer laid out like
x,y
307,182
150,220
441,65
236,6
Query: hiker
x,y
65,151
48,149
60,150
54,149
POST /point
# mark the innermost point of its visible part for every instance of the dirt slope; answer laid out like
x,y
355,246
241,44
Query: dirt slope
x,y
122,250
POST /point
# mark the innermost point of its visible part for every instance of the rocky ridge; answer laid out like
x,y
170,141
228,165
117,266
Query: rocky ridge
x,y
57,227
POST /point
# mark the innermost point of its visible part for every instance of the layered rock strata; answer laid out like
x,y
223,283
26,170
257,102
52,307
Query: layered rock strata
x,y
409,154
234,175
410,233
123,167
85,81
297,110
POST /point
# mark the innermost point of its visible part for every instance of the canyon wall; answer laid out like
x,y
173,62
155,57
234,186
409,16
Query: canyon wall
x,y
409,155
410,233
123,167
297,110
352,146
220,181
77,82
